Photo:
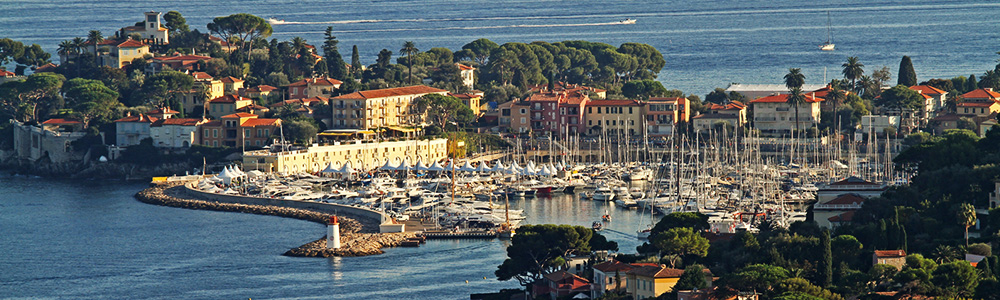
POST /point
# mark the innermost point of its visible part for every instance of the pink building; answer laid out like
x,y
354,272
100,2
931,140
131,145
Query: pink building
x,y
557,113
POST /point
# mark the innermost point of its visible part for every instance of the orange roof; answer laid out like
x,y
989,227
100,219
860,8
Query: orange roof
x,y
981,94
240,115
890,253
847,216
666,99
560,86
182,58
464,67
61,121
228,99
927,90
659,272
612,266
613,103
178,122
976,104
316,81
260,122
783,98
400,91
49,67
201,75
305,101
734,105
160,111
261,88
464,96
231,79
5,73
130,43
140,118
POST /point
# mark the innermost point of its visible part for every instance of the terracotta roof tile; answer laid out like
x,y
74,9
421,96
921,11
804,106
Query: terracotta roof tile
x,y
400,91
140,118
464,67
201,75
230,79
890,253
783,98
178,122
182,58
613,103
260,122
847,199
228,99
927,90
130,43
61,121
239,115
981,94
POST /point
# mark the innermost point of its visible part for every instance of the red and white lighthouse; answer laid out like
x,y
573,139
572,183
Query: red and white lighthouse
x,y
333,233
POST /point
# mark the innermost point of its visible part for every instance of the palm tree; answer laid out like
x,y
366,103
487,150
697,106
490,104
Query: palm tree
x,y
794,78
836,95
409,48
852,70
94,36
795,99
297,44
966,216
868,87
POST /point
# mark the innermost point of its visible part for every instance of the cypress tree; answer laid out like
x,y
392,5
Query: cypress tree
x,y
356,62
907,76
825,266
882,242
984,267
334,62
971,84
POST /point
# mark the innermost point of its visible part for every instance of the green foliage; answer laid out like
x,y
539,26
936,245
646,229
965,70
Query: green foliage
x,y
907,76
299,131
957,278
759,277
31,99
680,242
175,22
643,89
804,287
693,278
825,266
335,64
166,87
537,250
981,249
794,78
696,221
445,109
241,28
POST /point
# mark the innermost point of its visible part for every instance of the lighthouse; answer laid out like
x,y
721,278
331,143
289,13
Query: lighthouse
x,y
333,233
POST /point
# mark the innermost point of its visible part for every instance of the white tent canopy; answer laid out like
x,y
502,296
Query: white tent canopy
x,y
329,169
498,167
435,167
387,166
346,168
483,167
420,166
467,167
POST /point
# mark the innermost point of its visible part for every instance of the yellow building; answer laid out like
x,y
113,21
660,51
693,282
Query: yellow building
x,y
380,108
115,53
226,105
231,85
652,281
207,88
616,117
362,156
472,100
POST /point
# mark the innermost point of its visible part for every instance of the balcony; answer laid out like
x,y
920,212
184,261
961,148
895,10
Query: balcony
x,y
537,118
340,106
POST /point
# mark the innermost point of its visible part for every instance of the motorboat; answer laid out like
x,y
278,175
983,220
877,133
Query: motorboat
x,y
627,21
603,194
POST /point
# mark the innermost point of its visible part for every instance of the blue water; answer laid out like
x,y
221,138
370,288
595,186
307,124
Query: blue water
x,y
706,44
90,240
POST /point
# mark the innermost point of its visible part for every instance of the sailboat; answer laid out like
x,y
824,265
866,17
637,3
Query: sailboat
x,y
829,45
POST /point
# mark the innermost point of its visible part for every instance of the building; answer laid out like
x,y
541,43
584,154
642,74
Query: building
x,y
50,141
562,284
841,199
979,102
184,63
895,258
239,129
468,75
934,100
513,117
610,276
175,132
663,114
472,100
731,114
773,114
361,155
878,123
554,113
371,109
150,30
754,91
560,86
615,117
262,91
652,281
131,130
62,125
312,87
206,88
231,85
115,53
228,104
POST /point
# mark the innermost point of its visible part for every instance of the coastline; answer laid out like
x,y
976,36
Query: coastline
x,y
355,240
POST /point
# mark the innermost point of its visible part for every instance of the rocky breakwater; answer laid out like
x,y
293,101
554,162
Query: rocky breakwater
x,y
352,244
353,241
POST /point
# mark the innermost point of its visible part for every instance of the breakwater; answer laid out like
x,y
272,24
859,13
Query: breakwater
x,y
354,241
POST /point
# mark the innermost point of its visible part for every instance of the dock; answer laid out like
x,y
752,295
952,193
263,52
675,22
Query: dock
x,y
460,235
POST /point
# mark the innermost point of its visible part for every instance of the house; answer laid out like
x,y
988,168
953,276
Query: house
x,y
364,156
842,198
115,53
472,101
175,132
468,75
239,129
227,104
616,117
772,114
194,101
312,87
979,102
262,91
711,293
733,114
879,123
371,109
149,31
662,114
131,130
652,281
560,86
754,91
231,85
304,106
177,63
824,93
6,76
513,117
610,276
49,67
556,112
62,125
895,258
934,100
561,284
48,142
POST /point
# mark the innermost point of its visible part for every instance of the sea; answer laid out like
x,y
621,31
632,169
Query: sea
x,y
706,44
89,239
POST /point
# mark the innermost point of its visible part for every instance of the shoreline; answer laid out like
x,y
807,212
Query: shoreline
x,y
354,241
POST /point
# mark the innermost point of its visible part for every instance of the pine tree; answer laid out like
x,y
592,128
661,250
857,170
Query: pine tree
x,y
907,76
985,269
825,266
334,62
693,278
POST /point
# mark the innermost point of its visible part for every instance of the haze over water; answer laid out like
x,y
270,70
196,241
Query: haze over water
x,y
706,44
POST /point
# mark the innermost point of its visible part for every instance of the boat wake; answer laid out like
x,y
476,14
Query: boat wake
x,y
464,27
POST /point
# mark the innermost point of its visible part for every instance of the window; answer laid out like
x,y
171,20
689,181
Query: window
x,y
590,110
598,109
215,143
266,133
206,132
630,110
522,111
215,133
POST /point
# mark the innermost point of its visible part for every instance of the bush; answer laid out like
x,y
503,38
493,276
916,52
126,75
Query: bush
x,y
981,249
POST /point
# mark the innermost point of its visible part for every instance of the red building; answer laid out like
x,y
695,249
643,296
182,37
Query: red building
x,y
239,129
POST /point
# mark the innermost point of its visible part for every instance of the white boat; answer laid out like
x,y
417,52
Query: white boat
x,y
274,21
627,21
603,194
829,45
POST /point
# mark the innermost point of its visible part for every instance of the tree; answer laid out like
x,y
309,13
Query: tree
x,y
409,48
300,131
680,242
981,249
166,86
175,22
445,109
971,84
759,277
537,250
852,70
481,50
693,278
334,62
245,28
956,278
794,78
91,99
796,99
643,89
907,76
900,99
10,50
966,216
825,266
95,37
23,100
356,62
693,220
